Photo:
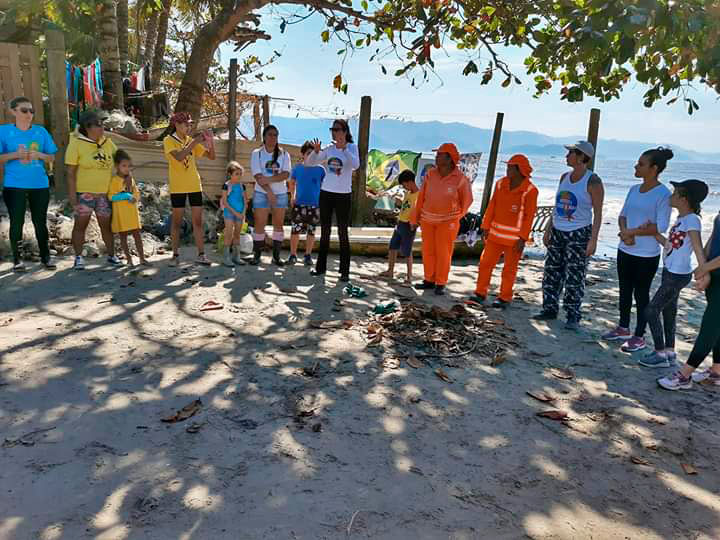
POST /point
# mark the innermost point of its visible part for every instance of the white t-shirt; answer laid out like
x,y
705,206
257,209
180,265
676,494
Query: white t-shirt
x,y
339,166
679,251
652,206
261,162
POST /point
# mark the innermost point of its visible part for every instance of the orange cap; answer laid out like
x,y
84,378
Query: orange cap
x,y
450,148
522,163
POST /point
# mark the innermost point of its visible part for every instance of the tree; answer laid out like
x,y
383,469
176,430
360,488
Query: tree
x,y
159,50
150,36
123,17
110,54
586,47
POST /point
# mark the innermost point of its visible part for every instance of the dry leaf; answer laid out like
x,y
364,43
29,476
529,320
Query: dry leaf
x,y
6,322
540,396
689,469
562,373
413,362
639,461
442,375
183,414
553,414
498,359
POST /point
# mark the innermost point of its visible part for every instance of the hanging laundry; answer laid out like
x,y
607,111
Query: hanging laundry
x,y
141,80
68,81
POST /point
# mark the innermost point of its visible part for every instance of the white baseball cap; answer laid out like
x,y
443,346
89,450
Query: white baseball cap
x,y
582,146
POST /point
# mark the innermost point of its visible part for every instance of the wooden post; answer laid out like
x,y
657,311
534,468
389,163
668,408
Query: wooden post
x,y
60,122
256,119
266,111
593,130
232,110
492,163
359,198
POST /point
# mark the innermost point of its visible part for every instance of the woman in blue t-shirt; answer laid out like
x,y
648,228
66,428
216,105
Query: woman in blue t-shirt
x,y
25,148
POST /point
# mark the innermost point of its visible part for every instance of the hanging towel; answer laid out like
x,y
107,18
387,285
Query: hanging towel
x,y
77,84
98,76
68,81
141,80
86,86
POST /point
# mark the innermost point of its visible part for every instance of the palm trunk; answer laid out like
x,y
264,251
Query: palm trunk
x,y
123,22
138,27
159,54
110,54
150,38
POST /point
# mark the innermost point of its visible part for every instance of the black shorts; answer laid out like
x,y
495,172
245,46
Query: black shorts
x,y
403,238
178,199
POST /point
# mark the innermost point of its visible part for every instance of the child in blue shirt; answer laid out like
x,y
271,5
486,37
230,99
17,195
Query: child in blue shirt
x,y
233,206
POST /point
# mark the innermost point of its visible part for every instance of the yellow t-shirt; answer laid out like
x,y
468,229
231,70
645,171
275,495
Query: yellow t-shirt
x,y
183,175
407,205
94,161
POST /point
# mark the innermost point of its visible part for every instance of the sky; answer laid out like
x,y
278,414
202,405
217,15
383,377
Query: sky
x,y
307,67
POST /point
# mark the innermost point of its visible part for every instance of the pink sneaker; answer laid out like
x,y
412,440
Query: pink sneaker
x,y
618,334
634,344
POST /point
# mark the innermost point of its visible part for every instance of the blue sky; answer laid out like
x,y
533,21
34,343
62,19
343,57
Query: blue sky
x,y
307,67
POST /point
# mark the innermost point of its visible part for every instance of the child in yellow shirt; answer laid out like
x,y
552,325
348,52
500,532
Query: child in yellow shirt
x,y
404,234
124,195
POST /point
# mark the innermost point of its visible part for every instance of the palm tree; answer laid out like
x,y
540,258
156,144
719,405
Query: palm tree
x,y
159,53
110,54
150,37
123,17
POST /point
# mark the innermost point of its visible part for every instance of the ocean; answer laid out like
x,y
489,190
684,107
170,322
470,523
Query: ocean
x,y
618,177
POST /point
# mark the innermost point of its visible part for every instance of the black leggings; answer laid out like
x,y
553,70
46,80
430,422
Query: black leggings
x,y
708,338
665,302
635,275
339,203
16,200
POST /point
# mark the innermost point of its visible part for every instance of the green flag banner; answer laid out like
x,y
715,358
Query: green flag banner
x,y
383,169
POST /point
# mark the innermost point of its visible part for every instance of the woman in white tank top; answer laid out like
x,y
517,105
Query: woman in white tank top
x,y
571,237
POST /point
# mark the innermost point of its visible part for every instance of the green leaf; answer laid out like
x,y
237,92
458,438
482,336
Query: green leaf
x,y
471,67
325,36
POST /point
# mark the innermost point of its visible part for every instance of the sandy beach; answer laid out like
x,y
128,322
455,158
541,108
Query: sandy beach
x,y
308,428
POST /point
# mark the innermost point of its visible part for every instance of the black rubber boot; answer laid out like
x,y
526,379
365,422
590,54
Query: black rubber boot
x,y
257,252
277,244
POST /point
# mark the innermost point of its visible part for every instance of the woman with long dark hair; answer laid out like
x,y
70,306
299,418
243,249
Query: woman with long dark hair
x,y
270,166
89,157
645,214
182,152
24,150
340,159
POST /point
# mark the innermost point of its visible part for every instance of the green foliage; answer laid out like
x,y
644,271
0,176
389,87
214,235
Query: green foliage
x,y
583,47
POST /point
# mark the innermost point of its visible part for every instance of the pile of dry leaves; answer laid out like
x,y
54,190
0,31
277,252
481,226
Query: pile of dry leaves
x,y
416,330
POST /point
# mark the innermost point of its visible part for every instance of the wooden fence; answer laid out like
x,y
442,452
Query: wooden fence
x,y
20,76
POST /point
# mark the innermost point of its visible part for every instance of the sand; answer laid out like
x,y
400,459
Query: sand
x,y
354,445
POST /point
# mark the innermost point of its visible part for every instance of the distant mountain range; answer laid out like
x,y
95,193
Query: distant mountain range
x,y
389,135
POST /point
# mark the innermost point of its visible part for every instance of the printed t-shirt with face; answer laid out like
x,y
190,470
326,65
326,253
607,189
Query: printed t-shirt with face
x,y
407,205
29,175
261,162
183,175
339,164
679,251
94,162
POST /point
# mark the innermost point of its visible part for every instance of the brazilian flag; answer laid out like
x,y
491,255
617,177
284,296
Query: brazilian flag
x,y
383,169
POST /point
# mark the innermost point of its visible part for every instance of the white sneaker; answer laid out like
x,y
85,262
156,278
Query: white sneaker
x,y
114,261
675,381
79,263
707,376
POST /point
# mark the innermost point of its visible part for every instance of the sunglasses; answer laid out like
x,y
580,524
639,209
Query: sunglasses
x,y
26,110
334,129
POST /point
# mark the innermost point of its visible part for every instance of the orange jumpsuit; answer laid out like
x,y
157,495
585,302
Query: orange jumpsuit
x,y
508,218
441,204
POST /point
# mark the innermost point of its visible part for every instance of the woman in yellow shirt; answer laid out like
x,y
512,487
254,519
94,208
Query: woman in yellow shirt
x,y
182,151
89,158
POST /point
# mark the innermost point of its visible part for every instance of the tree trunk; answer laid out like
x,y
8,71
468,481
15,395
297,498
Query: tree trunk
x,y
110,54
150,38
123,22
159,54
207,40
138,27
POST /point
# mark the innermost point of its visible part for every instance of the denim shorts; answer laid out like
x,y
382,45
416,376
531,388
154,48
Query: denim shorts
x,y
229,216
260,200
403,238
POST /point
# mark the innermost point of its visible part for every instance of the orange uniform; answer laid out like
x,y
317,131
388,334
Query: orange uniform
x,y
442,202
508,218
